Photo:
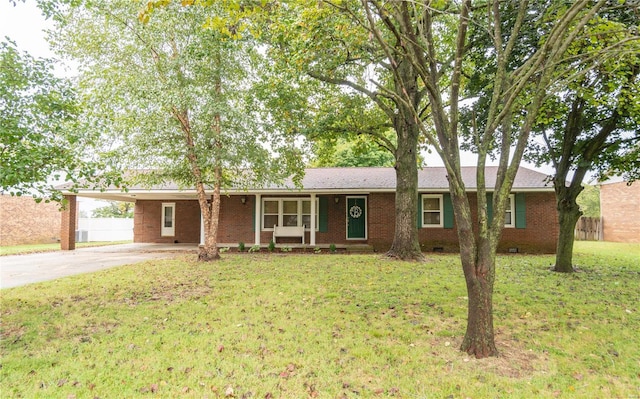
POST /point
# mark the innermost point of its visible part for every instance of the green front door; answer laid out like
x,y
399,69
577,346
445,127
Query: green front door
x,y
356,218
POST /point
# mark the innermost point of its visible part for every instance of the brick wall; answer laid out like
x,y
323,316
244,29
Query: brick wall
x,y
237,224
23,221
539,236
147,220
620,210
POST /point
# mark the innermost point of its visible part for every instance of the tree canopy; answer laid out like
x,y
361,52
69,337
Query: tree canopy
x,y
173,97
590,119
115,209
39,141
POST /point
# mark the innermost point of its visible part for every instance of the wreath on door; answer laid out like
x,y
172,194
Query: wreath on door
x,y
355,211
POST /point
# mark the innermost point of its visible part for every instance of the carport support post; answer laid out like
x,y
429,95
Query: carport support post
x,y
68,224
257,220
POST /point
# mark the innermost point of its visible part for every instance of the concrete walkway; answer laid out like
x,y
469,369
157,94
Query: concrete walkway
x,y
17,270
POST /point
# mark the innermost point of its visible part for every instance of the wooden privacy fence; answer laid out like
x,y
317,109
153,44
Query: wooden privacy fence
x,y
588,229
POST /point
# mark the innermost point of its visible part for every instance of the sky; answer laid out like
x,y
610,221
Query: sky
x,y
24,24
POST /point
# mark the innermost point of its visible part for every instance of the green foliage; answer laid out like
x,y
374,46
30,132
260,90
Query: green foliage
x,y
172,97
115,209
254,248
332,248
589,201
272,246
39,140
324,326
593,122
241,246
340,152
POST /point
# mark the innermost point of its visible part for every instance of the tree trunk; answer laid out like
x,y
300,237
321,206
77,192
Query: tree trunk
x,y
209,251
568,215
480,275
406,245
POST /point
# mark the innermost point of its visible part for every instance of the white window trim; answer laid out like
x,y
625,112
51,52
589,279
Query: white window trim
x,y
168,231
441,202
511,208
281,213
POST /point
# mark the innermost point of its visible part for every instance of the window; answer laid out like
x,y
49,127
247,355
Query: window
x,y
288,212
167,222
270,212
432,210
510,213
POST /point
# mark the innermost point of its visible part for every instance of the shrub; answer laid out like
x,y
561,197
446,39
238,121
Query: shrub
x,y
272,246
332,248
241,246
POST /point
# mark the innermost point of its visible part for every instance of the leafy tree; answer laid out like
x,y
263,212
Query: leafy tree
x,y
589,201
343,152
173,100
434,40
38,141
361,93
115,209
592,121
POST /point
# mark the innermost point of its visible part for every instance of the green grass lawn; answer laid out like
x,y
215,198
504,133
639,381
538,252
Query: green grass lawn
x,y
327,326
36,248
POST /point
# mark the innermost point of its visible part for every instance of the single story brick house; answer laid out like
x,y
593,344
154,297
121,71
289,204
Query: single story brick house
x,y
341,206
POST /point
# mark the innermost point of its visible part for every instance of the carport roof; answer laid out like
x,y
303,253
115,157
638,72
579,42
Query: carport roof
x,y
338,180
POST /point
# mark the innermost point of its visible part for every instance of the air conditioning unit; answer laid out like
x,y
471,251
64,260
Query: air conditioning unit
x,y
82,236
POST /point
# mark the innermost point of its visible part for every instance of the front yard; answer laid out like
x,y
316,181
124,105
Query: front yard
x,y
327,326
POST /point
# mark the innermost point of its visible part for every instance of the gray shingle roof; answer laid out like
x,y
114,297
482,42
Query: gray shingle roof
x,y
355,180
429,178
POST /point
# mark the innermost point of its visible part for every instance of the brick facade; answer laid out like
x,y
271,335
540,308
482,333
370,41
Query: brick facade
x,y
237,224
69,222
147,219
620,211
24,221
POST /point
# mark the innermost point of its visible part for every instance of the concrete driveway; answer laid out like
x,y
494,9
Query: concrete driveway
x,y
17,270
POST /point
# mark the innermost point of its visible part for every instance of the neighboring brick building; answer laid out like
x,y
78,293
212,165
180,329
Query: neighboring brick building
x,y
620,211
24,221
346,206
